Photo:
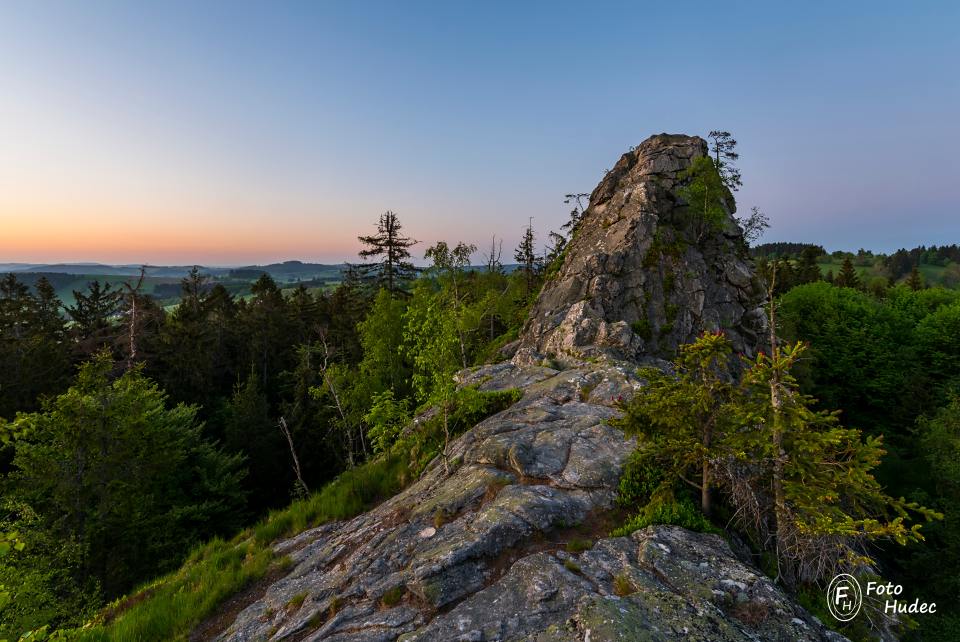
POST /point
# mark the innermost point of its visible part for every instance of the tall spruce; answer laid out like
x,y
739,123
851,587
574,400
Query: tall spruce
x,y
526,257
390,247
848,277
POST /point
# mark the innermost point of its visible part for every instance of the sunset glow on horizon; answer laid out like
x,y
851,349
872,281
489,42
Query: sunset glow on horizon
x,y
230,134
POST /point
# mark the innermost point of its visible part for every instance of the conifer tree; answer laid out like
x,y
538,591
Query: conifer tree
x,y
93,315
915,281
109,465
682,418
393,269
526,257
847,278
250,430
723,147
808,271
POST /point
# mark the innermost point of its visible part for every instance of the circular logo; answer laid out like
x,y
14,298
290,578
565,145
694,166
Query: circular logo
x,y
844,597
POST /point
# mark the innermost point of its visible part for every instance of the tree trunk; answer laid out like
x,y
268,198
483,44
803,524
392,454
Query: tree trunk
x,y
705,504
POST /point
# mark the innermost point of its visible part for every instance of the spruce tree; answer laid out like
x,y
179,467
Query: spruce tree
x,y
847,278
94,316
808,271
393,270
915,281
526,257
111,466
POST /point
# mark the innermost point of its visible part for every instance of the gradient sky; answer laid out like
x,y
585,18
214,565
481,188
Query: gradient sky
x,y
229,132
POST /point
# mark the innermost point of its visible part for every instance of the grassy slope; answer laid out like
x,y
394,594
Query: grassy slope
x,y
172,606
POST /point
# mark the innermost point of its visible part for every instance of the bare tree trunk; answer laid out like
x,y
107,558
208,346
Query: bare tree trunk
x,y
293,454
133,293
446,439
781,512
336,399
705,503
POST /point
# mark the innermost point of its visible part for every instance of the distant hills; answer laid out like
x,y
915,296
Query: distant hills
x,y
163,281
279,271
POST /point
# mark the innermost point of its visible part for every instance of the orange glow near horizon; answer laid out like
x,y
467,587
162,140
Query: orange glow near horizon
x,y
112,234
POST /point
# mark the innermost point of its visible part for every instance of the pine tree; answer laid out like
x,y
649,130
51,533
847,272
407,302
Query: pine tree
x,y
526,257
723,148
250,430
266,327
110,466
393,271
93,314
915,281
808,271
682,417
576,214
824,503
847,278
186,365
34,356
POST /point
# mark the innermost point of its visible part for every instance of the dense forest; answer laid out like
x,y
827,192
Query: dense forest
x,y
134,434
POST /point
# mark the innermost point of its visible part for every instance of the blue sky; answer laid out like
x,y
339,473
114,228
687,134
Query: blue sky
x,y
221,132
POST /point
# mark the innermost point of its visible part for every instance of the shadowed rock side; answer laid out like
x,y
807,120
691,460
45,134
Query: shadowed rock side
x,y
636,281
478,552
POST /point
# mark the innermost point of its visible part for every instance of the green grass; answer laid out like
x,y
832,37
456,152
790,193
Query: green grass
x,y
578,545
392,597
623,586
172,606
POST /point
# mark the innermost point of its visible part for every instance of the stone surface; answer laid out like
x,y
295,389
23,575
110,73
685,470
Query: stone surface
x,y
636,281
479,552
494,565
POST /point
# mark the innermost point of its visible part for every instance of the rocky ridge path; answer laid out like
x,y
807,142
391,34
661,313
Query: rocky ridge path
x,y
483,551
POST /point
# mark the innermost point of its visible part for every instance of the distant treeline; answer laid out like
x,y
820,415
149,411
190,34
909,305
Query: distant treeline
x,y
781,249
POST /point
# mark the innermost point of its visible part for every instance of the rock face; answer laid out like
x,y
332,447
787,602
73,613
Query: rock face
x,y
636,280
495,566
493,549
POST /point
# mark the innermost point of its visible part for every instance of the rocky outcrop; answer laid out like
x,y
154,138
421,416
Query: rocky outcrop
x,y
512,541
483,553
637,280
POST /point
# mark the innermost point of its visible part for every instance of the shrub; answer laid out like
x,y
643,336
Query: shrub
x,y
668,510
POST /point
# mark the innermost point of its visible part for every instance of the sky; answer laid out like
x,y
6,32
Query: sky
x,y
225,133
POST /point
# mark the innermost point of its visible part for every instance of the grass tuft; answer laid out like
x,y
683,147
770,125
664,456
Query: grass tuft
x,y
578,545
392,597
623,585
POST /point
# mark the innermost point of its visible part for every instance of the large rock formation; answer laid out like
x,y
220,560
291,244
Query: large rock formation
x,y
636,281
492,549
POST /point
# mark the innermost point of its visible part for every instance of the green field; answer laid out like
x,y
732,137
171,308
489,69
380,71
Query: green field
x,y
932,274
